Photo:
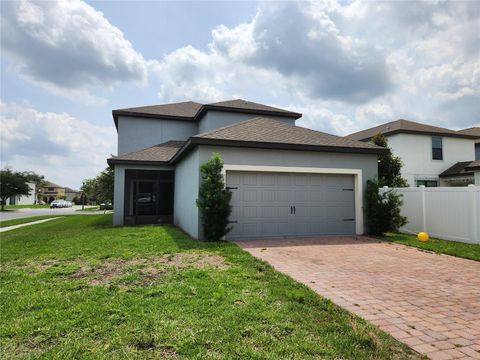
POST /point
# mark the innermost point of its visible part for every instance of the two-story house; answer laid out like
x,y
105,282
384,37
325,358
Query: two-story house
x,y
431,155
51,191
285,180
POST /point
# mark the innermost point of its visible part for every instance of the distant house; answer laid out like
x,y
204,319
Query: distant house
x,y
51,191
431,155
24,199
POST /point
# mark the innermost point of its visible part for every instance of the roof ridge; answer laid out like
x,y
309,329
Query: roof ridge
x,y
214,131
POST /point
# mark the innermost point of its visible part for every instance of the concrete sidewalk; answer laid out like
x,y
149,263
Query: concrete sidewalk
x,y
13,227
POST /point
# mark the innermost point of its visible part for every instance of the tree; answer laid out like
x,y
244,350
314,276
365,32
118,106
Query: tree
x,y
89,190
389,166
383,209
12,184
214,200
100,188
106,180
39,181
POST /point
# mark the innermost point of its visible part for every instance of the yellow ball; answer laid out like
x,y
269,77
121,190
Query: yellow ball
x,y
422,236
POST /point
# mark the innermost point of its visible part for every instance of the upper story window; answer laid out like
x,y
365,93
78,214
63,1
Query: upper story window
x,y
437,148
51,189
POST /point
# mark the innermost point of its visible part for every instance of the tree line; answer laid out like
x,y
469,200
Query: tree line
x,y
95,190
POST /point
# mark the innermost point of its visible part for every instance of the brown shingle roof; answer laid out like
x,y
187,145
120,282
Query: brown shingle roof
x,y
405,126
192,111
240,104
475,131
274,134
474,165
458,169
51,184
161,153
187,109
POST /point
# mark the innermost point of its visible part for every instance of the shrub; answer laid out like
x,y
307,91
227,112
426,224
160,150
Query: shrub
x,y
383,209
214,200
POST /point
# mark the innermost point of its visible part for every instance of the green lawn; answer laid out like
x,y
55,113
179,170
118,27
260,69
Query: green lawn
x,y
467,251
25,220
14,207
79,288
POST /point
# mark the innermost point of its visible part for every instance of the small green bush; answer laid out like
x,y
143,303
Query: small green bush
x,y
383,209
214,200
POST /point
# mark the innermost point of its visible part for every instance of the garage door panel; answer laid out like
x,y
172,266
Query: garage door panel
x,y
262,204
236,212
250,195
284,195
300,195
268,212
250,211
268,195
283,211
267,180
250,179
284,179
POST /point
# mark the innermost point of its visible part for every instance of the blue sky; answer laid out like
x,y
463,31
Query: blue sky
x,y
344,65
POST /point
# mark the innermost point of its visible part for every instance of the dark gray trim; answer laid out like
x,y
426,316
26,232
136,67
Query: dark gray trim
x,y
112,161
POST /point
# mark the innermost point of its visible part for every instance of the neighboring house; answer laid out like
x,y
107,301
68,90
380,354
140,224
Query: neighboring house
x,y
24,199
285,180
51,191
426,151
474,131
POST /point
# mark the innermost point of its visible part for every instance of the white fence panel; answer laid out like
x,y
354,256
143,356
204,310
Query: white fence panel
x,y
450,213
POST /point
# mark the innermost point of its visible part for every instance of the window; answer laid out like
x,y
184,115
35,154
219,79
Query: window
x,y
427,183
51,189
437,148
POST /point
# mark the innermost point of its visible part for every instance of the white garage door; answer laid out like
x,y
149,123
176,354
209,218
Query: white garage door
x,y
290,204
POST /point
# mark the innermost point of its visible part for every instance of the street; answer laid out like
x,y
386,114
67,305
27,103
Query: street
x,y
25,213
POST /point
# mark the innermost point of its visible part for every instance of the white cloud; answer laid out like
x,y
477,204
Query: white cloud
x,y
347,67
65,149
68,47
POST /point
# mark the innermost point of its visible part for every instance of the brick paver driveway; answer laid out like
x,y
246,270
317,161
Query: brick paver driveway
x,y
430,302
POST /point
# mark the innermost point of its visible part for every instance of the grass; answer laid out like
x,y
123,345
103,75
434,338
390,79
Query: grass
x,y
25,220
467,251
14,207
79,288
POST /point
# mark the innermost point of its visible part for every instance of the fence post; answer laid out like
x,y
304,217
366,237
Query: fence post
x,y
473,214
424,210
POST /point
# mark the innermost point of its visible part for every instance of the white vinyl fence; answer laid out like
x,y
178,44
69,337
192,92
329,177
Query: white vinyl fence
x,y
450,213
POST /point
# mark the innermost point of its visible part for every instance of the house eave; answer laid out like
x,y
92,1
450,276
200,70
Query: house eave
x,y
193,141
415,132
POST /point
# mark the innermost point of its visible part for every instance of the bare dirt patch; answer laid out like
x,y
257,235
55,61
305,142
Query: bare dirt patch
x,y
148,269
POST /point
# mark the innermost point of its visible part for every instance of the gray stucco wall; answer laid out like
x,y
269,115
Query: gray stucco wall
x,y
187,180
216,119
135,133
119,188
